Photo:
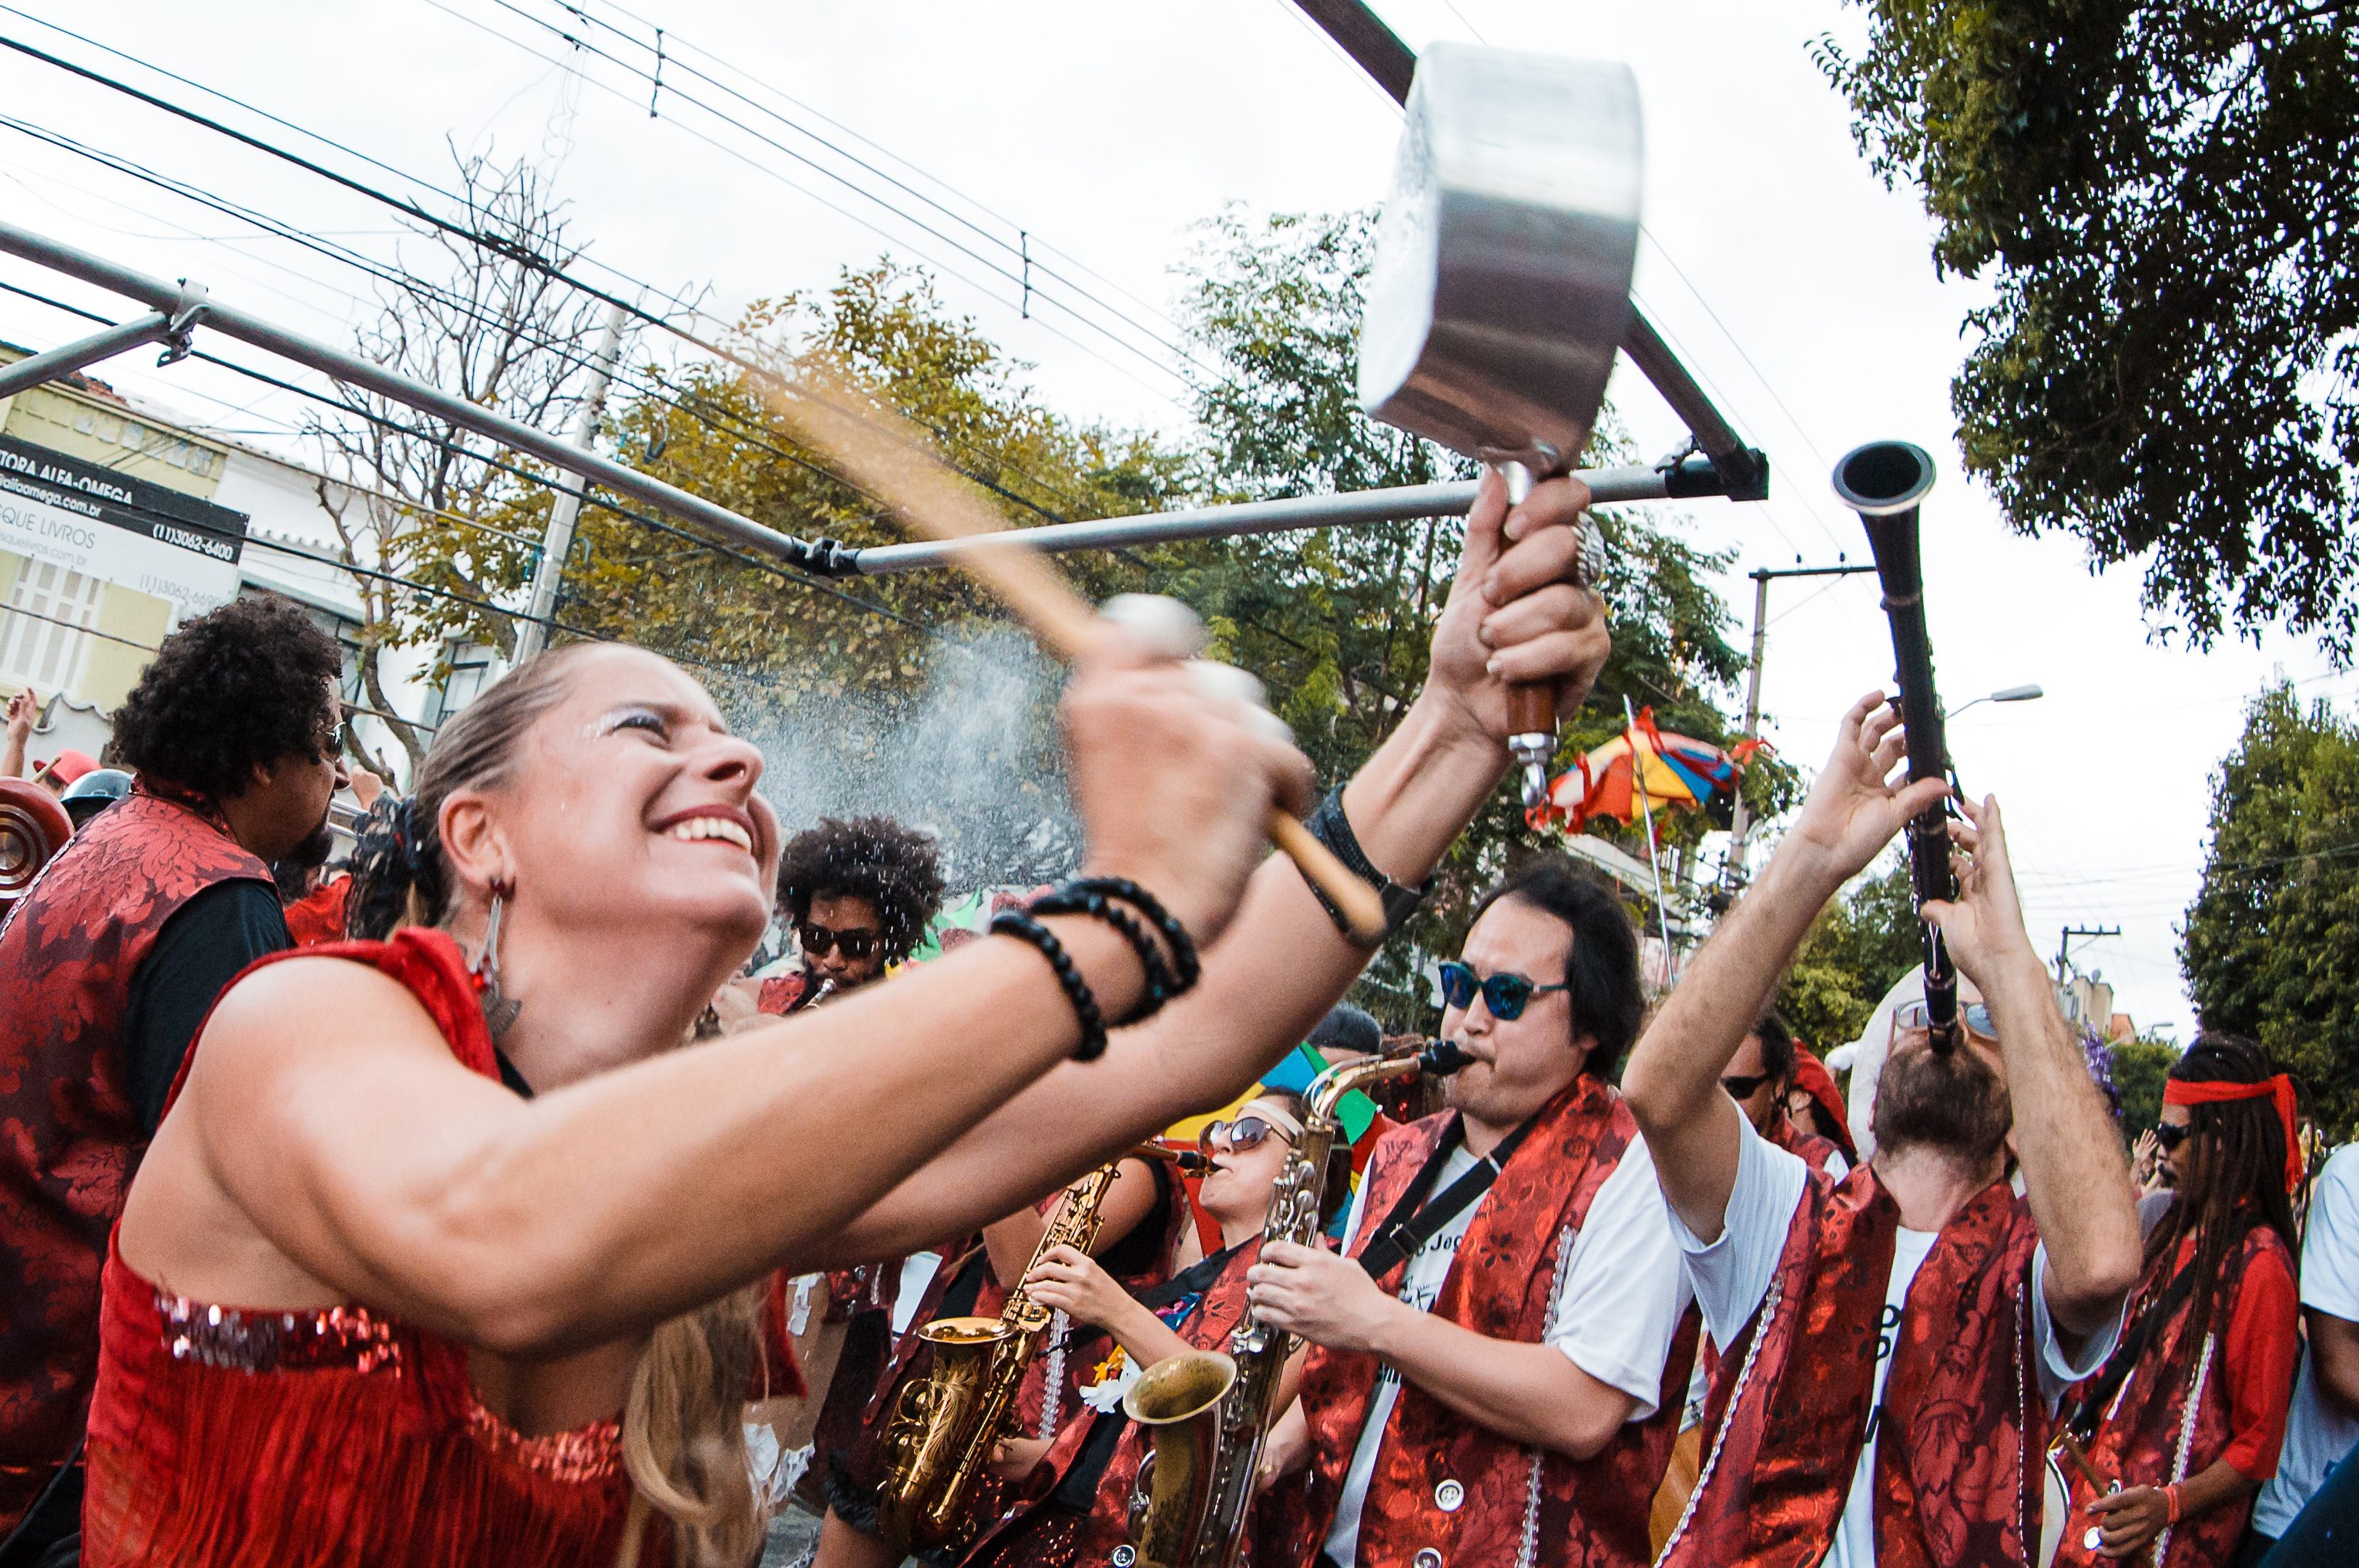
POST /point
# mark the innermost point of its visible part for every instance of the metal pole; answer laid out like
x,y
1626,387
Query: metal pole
x,y
556,543
1741,826
1654,855
60,362
1691,477
354,370
1734,868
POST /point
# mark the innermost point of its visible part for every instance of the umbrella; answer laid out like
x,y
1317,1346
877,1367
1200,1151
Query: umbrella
x,y
1644,769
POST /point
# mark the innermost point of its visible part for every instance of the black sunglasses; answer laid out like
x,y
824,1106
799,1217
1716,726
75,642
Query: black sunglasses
x,y
1243,1136
2170,1135
1740,1087
1504,993
855,945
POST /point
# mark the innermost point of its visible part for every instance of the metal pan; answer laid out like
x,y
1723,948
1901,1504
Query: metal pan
x,y
1502,281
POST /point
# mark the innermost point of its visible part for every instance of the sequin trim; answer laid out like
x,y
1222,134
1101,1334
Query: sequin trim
x,y
345,1337
586,1454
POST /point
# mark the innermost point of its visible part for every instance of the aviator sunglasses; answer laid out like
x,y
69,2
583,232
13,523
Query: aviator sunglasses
x,y
1504,993
1243,1136
854,944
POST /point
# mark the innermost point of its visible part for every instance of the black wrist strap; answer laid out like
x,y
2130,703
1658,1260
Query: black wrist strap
x,y
1413,1222
1332,828
1023,928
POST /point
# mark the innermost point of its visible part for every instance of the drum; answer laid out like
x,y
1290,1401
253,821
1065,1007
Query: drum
x,y
33,827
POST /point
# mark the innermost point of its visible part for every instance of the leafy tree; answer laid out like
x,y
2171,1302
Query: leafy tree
x,y
2271,944
1861,943
425,502
2166,197
2139,1068
1338,621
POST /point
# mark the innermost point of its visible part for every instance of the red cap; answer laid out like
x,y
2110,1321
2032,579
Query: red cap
x,y
68,766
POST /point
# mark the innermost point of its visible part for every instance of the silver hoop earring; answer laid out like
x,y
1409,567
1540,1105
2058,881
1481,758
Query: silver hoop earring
x,y
500,1009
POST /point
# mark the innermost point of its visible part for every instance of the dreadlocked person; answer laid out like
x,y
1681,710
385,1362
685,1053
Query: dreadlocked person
x,y
859,896
108,965
482,1285
1891,1344
2183,1424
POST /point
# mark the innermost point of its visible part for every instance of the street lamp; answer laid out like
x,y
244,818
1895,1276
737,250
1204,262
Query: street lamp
x,y
2012,694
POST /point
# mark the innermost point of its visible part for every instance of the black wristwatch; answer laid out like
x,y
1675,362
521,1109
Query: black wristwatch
x,y
1331,828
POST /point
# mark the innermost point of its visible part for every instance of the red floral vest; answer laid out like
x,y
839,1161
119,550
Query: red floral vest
x,y
68,952
2139,1443
1959,1444
1442,1484
1031,1533
1812,1150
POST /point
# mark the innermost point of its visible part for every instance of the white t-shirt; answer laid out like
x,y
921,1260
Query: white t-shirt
x,y
1731,1275
1624,1296
2317,1436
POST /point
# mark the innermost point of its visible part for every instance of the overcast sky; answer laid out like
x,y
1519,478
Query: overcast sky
x,y
1092,136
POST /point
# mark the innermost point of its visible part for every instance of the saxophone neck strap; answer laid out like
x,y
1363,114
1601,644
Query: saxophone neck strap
x,y
1413,1221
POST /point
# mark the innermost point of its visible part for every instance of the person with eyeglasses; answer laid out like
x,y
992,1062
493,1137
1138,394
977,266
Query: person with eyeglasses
x,y
108,965
1073,1496
1893,1345
1498,1355
2186,1421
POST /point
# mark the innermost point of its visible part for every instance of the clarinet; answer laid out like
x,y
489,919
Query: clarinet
x,y
1883,481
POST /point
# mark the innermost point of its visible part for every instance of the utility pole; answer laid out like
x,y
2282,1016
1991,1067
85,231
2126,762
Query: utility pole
x,y
2064,943
1734,870
557,541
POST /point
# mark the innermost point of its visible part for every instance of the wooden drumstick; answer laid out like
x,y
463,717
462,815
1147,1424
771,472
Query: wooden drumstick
x,y
886,456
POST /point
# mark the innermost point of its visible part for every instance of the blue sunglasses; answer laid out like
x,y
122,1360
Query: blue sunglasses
x,y
1504,993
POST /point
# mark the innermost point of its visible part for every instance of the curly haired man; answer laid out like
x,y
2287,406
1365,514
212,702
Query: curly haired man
x,y
108,967
859,895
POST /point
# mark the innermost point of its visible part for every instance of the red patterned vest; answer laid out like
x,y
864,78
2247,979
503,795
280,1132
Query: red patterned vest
x,y
2149,1427
1959,1444
1514,1505
1033,1531
67,1137
1812,1150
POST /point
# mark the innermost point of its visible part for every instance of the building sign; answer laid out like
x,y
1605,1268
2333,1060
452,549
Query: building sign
x,y
124,530
96,567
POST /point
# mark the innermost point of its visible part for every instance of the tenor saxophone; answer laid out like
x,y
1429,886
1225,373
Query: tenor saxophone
x,y
1206,1413
944,1427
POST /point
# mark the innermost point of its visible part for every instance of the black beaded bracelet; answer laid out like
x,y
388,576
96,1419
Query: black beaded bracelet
x,y
1175,936
1023,928
1069,898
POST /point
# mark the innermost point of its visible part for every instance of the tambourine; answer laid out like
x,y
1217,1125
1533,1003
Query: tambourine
x,y
33,827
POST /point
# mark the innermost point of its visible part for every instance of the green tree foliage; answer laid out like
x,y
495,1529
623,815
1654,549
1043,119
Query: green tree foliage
x,y
2271,944
709,430
1338,621
1861,943
2169,196
2139,1068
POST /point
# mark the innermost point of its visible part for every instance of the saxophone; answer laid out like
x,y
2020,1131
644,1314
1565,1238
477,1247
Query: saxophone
x,y
1206,1413
943,1428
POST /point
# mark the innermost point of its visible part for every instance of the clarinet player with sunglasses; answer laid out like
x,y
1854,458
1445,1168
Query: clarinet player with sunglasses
x,y
1499,1355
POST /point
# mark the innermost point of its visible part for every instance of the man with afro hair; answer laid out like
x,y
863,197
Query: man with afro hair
x,y
107,968
859,896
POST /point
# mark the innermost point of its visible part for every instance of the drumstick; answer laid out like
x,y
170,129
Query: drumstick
x,y
885,456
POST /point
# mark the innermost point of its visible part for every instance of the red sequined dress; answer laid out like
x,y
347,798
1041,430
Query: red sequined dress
x,y
332,1439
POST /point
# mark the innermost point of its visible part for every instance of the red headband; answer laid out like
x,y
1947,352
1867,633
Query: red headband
x,y
2179,1091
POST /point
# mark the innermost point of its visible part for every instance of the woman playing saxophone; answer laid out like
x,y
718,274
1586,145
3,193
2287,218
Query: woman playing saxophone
x,y
1075,1490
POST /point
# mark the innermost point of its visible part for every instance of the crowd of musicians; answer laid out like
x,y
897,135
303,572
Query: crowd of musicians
x,y
476,1204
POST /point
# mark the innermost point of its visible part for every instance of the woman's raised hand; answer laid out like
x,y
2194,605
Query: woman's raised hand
x,y
1175,786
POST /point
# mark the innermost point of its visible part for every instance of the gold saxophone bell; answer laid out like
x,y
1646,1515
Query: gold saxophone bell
x,y
1178,1400
945,1426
